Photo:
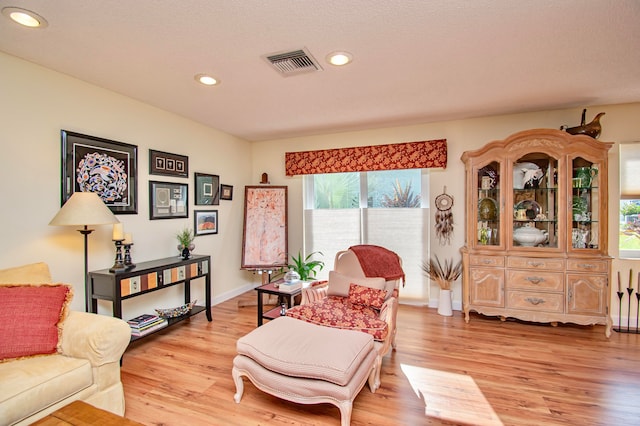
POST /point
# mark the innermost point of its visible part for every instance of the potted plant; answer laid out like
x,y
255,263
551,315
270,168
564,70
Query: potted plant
x,y
444,275
306,268
185,240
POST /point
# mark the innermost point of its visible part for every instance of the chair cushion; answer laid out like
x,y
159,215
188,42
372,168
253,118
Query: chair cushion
x,y
34,273
337,312
339,283
28,385
31,318
300,349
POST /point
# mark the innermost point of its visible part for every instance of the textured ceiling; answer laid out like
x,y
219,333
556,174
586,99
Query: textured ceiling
x,y
415,61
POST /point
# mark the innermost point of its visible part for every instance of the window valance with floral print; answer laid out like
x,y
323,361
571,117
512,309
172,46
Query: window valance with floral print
x,y
408,155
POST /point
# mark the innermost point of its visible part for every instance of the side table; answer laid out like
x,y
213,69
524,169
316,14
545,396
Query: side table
x,y
283,297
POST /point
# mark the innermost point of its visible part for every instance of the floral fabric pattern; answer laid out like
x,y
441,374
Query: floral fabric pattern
x,y
366,296
338,312
408,155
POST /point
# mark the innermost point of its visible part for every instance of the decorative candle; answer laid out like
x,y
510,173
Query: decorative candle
x,y
118,232
619,285
630,278
127,239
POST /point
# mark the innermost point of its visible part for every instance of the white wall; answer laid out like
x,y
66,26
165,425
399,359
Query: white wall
x,y
620,124
35,104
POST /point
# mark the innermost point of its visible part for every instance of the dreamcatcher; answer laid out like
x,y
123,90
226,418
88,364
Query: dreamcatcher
x,y
444,217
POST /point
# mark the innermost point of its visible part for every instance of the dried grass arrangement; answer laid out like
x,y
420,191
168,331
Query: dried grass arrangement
x,y
445,274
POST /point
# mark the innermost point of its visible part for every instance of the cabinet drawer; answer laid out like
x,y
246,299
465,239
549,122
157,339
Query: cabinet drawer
x,y
587,265
535,263
533,301
476,260
535,280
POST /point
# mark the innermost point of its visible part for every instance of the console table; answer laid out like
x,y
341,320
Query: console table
x,y
151,276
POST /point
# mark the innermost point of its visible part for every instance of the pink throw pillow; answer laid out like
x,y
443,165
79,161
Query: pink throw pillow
x,y
366,296
31,317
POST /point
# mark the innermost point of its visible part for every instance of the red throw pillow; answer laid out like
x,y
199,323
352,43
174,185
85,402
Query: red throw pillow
x,y
31,318
366,296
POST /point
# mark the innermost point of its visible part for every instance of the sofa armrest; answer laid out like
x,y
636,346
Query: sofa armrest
x,y
316,291
98,338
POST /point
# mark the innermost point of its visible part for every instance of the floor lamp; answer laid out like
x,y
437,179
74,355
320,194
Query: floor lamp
x,y
84,209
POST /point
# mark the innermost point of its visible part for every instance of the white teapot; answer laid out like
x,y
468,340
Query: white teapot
x,y
529,236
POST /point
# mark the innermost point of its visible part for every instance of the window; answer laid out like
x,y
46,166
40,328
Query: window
x,y
385,208
629,240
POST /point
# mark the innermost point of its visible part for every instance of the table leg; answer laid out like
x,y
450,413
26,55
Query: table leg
x,y
259,308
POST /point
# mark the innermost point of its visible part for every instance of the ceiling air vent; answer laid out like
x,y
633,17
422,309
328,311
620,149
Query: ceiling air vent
x,y
293,62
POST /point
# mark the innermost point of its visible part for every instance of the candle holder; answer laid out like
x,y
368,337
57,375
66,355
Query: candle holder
x,y
620,294
128,264
637,310
118,264
628,329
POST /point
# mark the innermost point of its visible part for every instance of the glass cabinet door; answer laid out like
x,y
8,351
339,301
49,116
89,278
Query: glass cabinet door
x,y
488,212
585,205
535,201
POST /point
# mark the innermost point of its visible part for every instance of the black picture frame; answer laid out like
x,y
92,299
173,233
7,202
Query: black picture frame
x,y
168,164
106,167
207,189
226,192
205,222
168,200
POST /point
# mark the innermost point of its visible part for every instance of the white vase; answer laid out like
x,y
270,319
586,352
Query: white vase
x,y
444,303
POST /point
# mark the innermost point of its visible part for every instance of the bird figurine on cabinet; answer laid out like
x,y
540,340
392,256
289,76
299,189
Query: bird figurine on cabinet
x,y
592,129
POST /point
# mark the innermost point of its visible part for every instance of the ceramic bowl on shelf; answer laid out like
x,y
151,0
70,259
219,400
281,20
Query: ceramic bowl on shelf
x,y
529,236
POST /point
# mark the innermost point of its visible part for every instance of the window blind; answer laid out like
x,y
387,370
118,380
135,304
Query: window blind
x,y
630,171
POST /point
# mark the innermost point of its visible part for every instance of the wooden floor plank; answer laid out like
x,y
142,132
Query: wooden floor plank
x,y
444,372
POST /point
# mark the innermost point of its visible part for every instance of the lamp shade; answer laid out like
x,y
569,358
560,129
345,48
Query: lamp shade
x,y
84,208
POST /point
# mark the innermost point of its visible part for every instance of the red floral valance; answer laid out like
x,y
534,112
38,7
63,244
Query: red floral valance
x,y
408,155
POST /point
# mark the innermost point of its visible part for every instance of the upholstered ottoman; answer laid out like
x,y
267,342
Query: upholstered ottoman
x,y
306,363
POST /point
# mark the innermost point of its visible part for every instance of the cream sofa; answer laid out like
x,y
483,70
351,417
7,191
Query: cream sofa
x,y
88,367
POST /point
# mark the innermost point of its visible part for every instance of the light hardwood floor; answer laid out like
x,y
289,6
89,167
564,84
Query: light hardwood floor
x,y
444,372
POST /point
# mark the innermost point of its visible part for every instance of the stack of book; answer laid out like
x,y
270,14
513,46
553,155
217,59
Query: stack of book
x,y
290,287
145,324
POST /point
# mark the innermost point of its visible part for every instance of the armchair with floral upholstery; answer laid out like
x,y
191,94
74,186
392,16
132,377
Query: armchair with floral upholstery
x,y
360,294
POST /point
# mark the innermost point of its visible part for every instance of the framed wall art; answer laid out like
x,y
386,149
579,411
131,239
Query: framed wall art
x,y
205,222
167,164
264,240
226,192
207,189
106,167
168,200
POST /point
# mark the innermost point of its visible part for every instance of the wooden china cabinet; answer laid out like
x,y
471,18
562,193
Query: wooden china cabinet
x,y
536,229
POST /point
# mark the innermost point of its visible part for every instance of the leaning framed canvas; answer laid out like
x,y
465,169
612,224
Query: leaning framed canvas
x,y
205,222
264,240
207,189
167,164
168,200
106,167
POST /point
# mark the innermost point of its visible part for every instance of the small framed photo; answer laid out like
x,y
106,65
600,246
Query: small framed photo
x,y
207,189
226,192
103,166
205,222
168,200
167,164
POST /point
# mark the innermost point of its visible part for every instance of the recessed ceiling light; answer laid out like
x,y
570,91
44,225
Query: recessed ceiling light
x,y
207,80
339,58
25,17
